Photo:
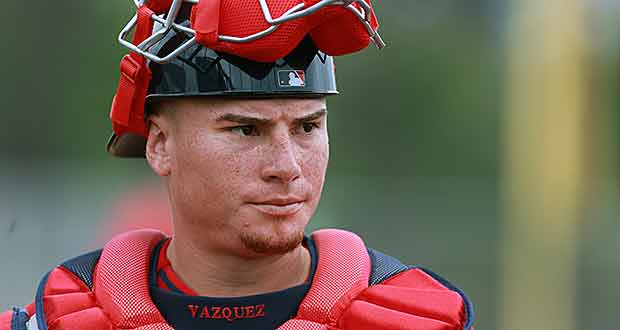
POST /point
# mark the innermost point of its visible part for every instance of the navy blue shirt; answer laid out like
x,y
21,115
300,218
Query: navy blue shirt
x,y
261,312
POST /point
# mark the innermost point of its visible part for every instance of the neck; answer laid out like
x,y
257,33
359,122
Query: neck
x,y
214,274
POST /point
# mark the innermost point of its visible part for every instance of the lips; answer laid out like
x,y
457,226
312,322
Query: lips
x,y
279,207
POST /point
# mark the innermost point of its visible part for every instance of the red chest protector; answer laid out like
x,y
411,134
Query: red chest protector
x,y
354,288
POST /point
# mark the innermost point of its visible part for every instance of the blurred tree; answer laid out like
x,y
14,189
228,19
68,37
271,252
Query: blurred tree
x,y
546,168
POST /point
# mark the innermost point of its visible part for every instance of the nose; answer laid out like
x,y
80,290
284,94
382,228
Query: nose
x,y
282,162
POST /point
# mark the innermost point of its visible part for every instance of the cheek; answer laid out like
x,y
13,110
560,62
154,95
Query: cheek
x,y
212,171
314,165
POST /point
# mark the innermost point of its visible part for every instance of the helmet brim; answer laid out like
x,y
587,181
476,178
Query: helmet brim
x,y
127,145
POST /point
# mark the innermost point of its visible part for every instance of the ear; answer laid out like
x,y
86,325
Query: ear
x,y
159,146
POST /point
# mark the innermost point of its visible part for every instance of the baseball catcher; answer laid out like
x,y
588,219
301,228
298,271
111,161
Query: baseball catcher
x,y
226,100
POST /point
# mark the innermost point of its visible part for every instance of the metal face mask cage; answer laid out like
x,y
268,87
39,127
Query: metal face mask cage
x,y
167,22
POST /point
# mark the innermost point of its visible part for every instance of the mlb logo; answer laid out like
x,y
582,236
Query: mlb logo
x,y
292,78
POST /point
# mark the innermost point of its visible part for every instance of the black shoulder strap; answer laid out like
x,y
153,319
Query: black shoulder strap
x,y
83,266
19,319
383,267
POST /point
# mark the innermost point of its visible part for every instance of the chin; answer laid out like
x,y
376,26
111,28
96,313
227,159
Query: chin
x,y
267,234
280,238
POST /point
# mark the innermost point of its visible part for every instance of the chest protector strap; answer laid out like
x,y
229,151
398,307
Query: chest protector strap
x,y
121,281
342,273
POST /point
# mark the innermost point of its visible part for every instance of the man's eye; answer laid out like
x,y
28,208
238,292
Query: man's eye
x,y
309,127
247,130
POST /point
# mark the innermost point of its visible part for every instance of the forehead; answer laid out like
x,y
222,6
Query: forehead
x,y
212,108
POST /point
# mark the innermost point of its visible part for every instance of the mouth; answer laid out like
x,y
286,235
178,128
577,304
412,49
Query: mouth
x,y
279,207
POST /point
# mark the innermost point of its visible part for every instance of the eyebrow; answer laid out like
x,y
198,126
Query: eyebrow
x,y
264,121
310,117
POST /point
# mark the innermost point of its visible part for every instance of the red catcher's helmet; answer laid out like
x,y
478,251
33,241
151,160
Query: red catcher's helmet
x,y
236,48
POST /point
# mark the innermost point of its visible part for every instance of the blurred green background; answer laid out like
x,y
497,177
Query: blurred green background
x,y
420,150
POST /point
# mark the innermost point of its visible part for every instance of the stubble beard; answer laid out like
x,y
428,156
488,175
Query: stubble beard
x,y
265,244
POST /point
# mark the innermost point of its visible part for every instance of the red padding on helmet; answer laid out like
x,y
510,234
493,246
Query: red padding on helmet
x,y
342,32
335,29
159,6
240,18
208,14
127,112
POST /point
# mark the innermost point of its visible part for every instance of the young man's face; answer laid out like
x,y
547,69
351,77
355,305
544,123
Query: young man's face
x,y
244,176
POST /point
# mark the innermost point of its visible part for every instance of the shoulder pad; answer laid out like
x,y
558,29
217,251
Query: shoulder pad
x,y
468,306
66,299
412,299
65,296
341,273
121,283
